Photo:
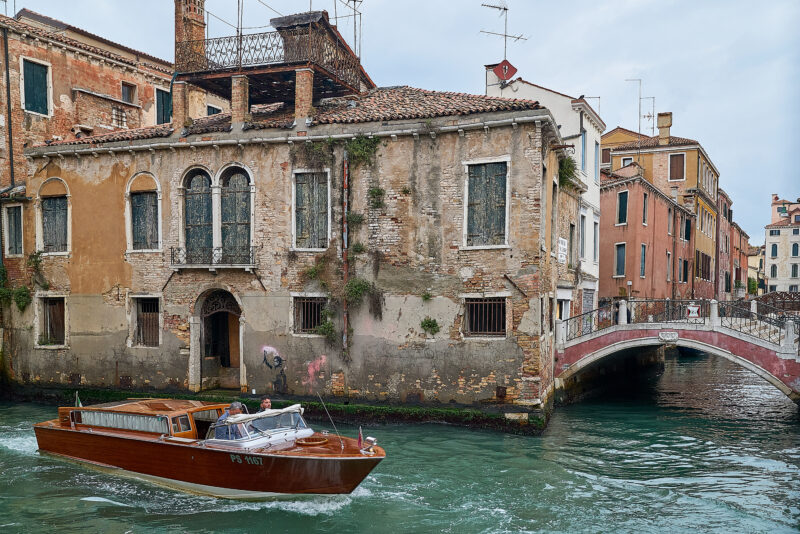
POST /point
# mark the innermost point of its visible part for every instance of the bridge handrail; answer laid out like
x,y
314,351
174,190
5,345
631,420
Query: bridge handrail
x,y
667,310
589,322
754,324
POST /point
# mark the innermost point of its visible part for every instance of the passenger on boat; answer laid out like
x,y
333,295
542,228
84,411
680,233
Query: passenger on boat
x,y
224,431
266,404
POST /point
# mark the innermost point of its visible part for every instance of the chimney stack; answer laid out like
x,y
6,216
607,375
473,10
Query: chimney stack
x,y
303,95
664,124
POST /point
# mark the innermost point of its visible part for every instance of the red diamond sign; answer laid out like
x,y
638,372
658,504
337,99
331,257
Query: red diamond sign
x,y
505,70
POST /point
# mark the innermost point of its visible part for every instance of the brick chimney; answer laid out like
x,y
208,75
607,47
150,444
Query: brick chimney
x,y
190,23
240,99
303,95
664,124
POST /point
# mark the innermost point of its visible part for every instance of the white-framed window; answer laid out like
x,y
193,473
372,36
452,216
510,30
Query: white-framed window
x,y
583,150
773,250
773,271
311,210
596,241
619,260
676,168
670,222
644,209
596,162
669,266
54,218
12,224
627,161
642,261
143,214
794,270
309,313
51,321
485,316
146,321
487,198
119,117
212,110
795,250
582,237
36,86
622,208
793,288
774,232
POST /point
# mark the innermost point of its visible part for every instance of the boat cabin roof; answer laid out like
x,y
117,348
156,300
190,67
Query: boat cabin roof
x,y
167,407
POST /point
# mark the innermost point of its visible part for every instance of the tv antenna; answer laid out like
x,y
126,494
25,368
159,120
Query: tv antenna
x,y
652,115
356,4
503,8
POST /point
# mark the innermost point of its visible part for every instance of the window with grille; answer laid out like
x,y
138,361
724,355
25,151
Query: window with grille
x,y
147,324
14,230
311,210
54,224
486,205
308,314
52,324
35,90
119,118
485,316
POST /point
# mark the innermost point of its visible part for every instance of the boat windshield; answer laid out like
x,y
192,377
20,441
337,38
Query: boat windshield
x,y
278,422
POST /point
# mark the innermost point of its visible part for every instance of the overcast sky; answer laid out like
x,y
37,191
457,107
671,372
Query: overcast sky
x,y
727,69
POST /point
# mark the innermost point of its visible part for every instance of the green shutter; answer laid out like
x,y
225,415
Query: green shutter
x,y
14,230
236,219
486,205
163,107
144,215
54,224
35,87
199,236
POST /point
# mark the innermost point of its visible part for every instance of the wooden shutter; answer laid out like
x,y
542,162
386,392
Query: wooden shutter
x,y
147,322
54,321
486,204
676,167
54,224
236,219
14,230
144,220
606,155
163,107
622,207
311,210
199,235
35,87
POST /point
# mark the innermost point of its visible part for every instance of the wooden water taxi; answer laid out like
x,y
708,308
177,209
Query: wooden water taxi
x,y
181,444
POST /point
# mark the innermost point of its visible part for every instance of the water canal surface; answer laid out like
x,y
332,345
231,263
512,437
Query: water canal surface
x,y
703,447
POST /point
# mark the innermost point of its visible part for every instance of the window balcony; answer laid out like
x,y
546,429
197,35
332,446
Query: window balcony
x,y
213,258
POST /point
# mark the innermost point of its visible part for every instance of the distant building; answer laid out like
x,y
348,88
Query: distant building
x,y
782,246
755,271
647,237
581,127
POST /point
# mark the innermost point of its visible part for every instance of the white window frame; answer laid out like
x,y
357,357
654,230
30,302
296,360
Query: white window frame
x,y
37,319
596,162
133,319
129,216
582,236
487,295
482,161
615,275
795,247
219,109
643,261
21,227
22,60
294,246
669,166
629,158
669,266
302,294
596,240
40,224
645,199
627,205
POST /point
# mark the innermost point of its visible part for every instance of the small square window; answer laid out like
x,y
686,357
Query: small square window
x,y
128,92
626,161
309,314
212,110
51,321
485,316
147,323
795,231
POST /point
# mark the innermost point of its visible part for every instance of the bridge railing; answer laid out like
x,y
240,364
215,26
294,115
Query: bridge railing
x,y
668,311
741,318
589,322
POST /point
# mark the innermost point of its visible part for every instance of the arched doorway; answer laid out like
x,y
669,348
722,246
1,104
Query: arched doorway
x,y
220,342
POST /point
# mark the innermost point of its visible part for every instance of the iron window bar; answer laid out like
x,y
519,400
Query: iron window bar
x,y
213,256
485,317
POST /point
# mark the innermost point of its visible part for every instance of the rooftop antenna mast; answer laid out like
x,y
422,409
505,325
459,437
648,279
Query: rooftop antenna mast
x,y
652,115
593,98
356,4
503,8
639,131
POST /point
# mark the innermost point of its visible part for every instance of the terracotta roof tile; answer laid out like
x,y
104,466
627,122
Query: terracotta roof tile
x,y
652,142
150,132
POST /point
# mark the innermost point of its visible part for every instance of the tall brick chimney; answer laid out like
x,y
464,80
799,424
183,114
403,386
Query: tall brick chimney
x,y
664,124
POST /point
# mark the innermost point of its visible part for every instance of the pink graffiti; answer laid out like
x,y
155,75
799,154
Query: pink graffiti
x,y
314,369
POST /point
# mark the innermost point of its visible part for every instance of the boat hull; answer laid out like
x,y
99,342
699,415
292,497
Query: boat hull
x,y
221,472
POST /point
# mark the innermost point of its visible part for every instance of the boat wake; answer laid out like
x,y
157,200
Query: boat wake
x,y
18,438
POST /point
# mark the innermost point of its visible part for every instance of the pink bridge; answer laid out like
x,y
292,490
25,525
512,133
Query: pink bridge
x,y
755,336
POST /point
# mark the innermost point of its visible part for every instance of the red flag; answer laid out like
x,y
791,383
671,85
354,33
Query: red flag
x,y
360,437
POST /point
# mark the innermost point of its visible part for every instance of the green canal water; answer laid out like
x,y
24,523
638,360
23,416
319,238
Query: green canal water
x,y
702,447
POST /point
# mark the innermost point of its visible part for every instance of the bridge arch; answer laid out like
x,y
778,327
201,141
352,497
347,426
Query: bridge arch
x,y
681,342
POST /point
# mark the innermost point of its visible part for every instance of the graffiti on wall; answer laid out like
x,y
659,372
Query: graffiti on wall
x,y
274,361
313,369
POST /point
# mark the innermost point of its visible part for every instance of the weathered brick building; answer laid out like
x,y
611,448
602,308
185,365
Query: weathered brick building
x,y
243,250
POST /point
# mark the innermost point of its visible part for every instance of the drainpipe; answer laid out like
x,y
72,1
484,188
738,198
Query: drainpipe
x,y
345,266
8,107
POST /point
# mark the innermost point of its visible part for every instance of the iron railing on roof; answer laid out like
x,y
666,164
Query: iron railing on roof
x,y
310,44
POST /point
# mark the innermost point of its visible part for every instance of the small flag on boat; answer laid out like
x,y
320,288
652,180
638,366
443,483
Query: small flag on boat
x,y
360,437
78,402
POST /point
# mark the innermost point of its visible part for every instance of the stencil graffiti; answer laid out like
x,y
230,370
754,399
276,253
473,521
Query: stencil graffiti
x,y
272,358
313,369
